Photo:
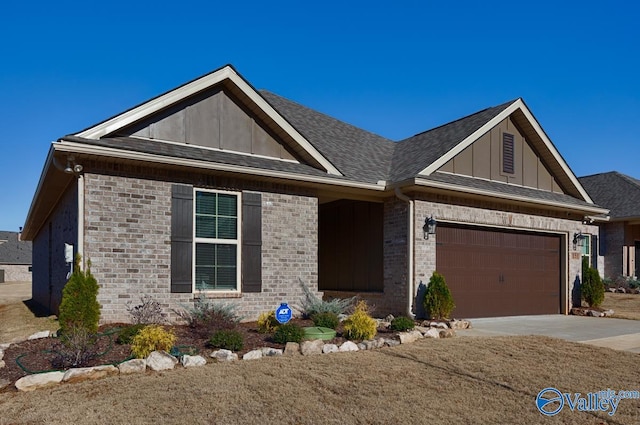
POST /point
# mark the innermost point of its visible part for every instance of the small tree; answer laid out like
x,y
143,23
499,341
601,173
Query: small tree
x,y
79,307
592,288
438,301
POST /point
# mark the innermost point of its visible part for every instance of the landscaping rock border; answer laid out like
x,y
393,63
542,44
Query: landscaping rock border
x,y
161,360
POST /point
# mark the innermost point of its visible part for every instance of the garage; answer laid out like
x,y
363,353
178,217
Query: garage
x,y
499,273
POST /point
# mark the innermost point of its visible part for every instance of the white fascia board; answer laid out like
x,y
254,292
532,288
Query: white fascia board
x,y
282,123
47,163
174,96
80,148
565,167
475,191
434,166
154,105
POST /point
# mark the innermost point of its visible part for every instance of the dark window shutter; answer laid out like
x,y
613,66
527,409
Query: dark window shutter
x,y
507,153
251,242
594,251
181,238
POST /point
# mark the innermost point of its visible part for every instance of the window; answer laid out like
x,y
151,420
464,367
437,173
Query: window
x,y
586,248
508,153
217,241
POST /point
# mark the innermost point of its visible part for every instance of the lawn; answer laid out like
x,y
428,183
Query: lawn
x,y
461,380
449,381
624,306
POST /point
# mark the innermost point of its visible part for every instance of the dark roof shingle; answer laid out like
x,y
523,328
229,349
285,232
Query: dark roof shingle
x,y
616,191
506,189
14,251
357,153
416,153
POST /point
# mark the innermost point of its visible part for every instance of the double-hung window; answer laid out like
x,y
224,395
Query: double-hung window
x,y
217,240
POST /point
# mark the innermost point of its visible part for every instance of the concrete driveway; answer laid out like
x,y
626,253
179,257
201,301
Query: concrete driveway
x,y
617,334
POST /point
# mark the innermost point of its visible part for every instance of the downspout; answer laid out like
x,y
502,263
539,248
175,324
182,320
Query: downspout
x,y
81,219
410,248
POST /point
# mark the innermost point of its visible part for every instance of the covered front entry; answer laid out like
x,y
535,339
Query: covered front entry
x,y
499,273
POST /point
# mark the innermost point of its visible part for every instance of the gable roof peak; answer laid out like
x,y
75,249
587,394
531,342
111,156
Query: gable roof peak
x,y
500,107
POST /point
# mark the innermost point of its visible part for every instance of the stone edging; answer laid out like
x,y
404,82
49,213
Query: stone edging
x,y
160,360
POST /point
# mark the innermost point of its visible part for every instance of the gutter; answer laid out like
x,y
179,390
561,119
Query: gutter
x,y
410,248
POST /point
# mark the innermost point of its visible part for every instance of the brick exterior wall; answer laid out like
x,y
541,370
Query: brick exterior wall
x,y
523,219
16,272
49,267
128,235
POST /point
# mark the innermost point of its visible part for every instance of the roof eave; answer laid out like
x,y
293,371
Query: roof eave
x,y
100,151
509,197
28,230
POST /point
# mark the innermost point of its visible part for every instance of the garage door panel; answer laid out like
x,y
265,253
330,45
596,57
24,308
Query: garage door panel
x,y
499,273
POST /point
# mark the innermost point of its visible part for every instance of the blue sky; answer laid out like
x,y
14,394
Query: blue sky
x,y
394,68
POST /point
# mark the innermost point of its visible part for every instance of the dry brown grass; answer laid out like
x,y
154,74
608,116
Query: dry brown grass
x,y
624,306
17,320
453,381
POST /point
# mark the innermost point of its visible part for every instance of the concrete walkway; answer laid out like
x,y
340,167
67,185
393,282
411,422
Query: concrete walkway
x,y
617,334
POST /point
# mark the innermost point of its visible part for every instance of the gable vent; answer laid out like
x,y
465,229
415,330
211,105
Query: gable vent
x,y
507,153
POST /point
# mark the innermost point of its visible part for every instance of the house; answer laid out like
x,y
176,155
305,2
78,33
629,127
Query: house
x,y
240,194
15,258
620,236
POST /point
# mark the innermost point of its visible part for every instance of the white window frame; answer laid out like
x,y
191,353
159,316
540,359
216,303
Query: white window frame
x,y
213,241
585,249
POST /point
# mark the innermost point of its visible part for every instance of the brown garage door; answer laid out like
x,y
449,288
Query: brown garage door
x,y
499,273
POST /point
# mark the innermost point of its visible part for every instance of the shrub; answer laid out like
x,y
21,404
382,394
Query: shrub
x,y
267,322
288,332
79,307
228,339
206,317
312,304
592,288
77,347
152,338
148,312
126,334
360,325
402,323
438,301
326,320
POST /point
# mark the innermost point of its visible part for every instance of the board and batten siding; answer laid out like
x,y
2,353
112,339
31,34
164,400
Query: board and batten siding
x,y
213,119
483,159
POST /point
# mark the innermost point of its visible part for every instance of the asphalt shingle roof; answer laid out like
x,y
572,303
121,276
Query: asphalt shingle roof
x,y
414,154
357,153
505,189
14,251
616,191
196,153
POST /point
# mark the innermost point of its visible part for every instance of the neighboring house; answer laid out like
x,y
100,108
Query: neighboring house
x,y
15,258
217,187
620,236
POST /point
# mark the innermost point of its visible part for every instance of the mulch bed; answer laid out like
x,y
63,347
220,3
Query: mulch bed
x,y
39,355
